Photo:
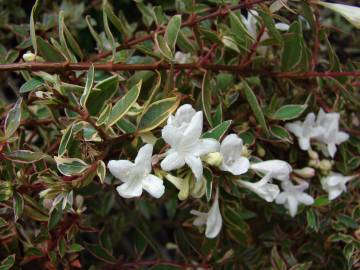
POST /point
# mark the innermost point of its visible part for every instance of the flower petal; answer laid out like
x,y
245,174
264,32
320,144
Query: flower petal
x,y
214,220
331,148
240,166
143,158
304,143
282,26
334,193
194,130
305,199
171,135
195,165
200,217
172,161
341,137
183,115
292,204
295,128
130,189
205,146
153,185
121,169
279,169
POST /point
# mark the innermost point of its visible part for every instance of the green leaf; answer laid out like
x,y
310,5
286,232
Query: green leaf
x,y
74,248
172,31
270,26
347,221
63,43
70,166
126,126
288,112
281,133
165,266
18,203
25,156
312,220
88,86
73,43
276,261
105,90
101,171
208,175
301,266
31,85
33,16
157,113
108,33
218,131
321,201
66,140
163,47
3,222
255,106
54,218
124,104
293,48
13,119
8,262
206,97
48,52
100,253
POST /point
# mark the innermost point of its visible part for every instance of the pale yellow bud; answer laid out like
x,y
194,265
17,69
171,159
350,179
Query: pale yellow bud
x,y
325,165
245,152
30,57
261,151
79,201
306,172
314,163
313,155
214,159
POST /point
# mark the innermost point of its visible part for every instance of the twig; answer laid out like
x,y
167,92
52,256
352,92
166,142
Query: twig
x,y
59,66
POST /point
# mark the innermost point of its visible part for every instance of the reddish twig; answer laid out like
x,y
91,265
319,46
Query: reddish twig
x,y
50,66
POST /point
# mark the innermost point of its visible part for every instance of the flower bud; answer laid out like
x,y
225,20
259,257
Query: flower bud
x,y
79,201
29,57
214,159
313,155
260,151
306,172
245,152
314,163
325,165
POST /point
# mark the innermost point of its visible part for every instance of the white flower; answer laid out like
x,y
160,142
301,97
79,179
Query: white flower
x,y
305,131
182,58
212,219
250,23
183,135
335,184
136,176
350,13
331,136
293,195
231,148
262,188
278,169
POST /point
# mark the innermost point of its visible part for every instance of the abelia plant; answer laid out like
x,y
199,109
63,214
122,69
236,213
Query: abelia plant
x,y
179,134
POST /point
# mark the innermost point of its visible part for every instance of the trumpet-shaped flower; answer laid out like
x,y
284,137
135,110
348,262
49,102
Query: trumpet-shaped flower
x,y
250,23
182,117
212,219
277,169
262,188
305,131
350,13
230,150
183,135
331,136
136,176
335,184
292,196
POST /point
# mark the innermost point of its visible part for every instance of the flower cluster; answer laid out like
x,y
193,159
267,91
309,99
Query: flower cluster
x,y
183,134
324,129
